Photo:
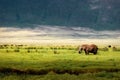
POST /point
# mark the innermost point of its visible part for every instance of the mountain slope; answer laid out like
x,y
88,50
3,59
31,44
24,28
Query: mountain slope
x,y
96,14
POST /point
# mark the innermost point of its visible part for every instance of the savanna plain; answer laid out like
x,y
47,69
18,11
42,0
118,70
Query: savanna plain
x,y
58,62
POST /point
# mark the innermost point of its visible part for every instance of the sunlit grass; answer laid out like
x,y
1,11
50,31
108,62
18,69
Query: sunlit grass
x,y
57,59
24,58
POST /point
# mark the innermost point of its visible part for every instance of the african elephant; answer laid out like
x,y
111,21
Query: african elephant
x,y
88,49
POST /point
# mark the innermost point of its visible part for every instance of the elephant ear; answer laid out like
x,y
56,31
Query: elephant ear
x,y
91,48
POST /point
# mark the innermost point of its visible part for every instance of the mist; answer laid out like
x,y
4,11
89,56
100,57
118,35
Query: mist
x,y
45,31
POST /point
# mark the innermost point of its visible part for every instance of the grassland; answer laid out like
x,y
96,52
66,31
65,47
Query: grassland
x,y
25,62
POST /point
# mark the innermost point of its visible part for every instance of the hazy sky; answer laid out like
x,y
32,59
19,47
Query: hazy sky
x,y
58,35
42,31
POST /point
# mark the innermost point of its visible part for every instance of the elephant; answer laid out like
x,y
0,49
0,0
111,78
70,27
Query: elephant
x,y
88,49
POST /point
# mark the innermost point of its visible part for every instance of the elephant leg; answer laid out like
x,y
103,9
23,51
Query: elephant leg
x,y
94,53
86,52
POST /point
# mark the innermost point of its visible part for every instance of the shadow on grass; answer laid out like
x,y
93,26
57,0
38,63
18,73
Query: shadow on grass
x,y
62,67
57,71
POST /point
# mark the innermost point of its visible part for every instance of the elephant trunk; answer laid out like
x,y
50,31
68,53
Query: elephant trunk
x,y
80,50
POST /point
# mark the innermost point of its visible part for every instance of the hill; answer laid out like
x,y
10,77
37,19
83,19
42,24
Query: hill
x,y
96,14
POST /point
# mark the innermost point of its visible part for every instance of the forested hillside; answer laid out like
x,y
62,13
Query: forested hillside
x,y
96,14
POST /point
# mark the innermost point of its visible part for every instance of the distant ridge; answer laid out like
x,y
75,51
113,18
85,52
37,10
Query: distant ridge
x,y
95,14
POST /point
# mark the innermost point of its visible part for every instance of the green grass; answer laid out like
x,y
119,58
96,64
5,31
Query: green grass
x,y
53,76
57,63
